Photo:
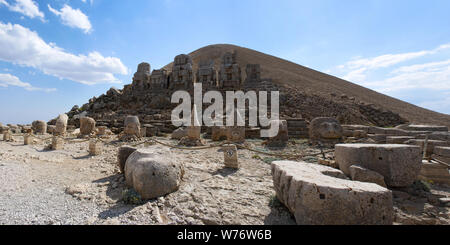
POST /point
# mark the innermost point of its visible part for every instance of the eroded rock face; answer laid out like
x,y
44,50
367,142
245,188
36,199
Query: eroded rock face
x,y
399,164
87,126
152,173
325,130
61,125
320,195
39,127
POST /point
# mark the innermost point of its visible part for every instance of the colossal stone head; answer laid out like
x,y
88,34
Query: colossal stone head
x,y
325,129
132,126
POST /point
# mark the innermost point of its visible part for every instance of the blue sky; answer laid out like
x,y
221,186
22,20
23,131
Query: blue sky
x,y
58,53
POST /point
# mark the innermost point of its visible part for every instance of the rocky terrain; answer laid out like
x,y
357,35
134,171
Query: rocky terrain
x,y
69,186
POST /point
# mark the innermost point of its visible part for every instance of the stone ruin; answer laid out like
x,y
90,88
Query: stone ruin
x,y
230,73
95,147
159,79
282,138
39,127
230,156
87,126
141,79
325,130
61,125
253,72
182,77
207,75
132,130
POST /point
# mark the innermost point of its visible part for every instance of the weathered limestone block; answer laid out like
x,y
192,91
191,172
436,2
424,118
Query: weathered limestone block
x,y
236,134
378,138
28,139
132,126
152,173
39,127
444,136
325,130
398,139
218,133
282,138
438,173
356,127
362,174
61,125
430,146
427,128
399,164
51,129
179,133
122,156
360,134
57,143
7,136
87,126
95,147
442,151
230,156
320,195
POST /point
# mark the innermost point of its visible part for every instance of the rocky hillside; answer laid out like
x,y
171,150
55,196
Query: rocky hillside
x,y
304,93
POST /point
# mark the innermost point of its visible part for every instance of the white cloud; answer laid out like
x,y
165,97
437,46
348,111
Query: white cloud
x,y
7,80
24,47
26,7
73,18
357,69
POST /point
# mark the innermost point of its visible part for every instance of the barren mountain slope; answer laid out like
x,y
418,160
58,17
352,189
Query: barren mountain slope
x,y
313,82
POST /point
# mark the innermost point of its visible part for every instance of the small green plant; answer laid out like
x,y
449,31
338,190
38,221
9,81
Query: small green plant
x,y
257,157
269,160
274,202
130,196
421,185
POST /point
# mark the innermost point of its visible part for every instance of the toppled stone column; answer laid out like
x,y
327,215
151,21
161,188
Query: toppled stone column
x,y
399,164
230,156
320,195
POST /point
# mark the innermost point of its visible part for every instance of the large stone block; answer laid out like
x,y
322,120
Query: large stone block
x,y
427,128
398,139
438,173
430,145
320,195
442,151
399,164
152,173
61,125
359,173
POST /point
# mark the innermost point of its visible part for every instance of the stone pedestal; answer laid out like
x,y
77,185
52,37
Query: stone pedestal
x,y
57,143
95,147
28,139
7,136
230,156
